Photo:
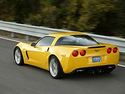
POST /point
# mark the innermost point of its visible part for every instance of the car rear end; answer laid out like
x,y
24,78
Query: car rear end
x,y
85,52
93,56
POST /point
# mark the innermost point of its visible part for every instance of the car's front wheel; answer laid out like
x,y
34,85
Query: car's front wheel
x,y
55,68
18,56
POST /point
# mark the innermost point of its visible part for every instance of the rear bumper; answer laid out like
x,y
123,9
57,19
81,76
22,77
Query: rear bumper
x,y
70,70
74,64
96,68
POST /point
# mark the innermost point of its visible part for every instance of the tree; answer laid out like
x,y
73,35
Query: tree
x,y
113,21
98,16
23,8
6,10
85,15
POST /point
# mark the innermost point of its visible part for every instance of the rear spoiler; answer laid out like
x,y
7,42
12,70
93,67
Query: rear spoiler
x,y
96,47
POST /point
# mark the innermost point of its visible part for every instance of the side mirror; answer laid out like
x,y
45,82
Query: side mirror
x,y
33,44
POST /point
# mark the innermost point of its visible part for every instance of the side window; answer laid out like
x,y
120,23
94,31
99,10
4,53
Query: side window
x,y
45,41
66,41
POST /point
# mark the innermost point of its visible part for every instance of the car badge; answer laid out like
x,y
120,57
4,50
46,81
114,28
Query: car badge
x,y
96,50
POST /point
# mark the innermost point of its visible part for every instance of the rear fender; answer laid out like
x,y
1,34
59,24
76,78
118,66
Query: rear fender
x,y
62,53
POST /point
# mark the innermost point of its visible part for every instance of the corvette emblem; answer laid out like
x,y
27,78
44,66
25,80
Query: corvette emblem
x,y
96,50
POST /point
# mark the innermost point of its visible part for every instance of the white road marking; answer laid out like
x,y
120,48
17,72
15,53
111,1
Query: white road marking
x,y
120,65
9,39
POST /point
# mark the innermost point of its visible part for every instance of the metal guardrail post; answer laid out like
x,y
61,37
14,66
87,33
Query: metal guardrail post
x,y
12,35
27,38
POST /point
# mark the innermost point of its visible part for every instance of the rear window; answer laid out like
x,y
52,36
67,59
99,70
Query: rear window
x,y
77,40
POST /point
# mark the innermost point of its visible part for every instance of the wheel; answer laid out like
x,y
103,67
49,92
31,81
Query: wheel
x,y
18,56
55,68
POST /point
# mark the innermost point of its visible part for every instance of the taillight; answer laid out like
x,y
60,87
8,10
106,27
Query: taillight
x,y
82,52
75,53
115,50
109,50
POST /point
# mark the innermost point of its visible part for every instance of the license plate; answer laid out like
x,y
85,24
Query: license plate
x,y
96,59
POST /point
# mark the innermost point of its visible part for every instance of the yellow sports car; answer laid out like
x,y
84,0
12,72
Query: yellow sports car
x,y
66,52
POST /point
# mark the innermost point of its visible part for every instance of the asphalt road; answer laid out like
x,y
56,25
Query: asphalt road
x,y
29,80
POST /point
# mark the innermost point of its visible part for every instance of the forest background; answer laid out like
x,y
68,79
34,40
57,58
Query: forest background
x,y
106,17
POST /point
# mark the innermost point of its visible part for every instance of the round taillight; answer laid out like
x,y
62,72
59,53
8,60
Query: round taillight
x,y
109,50
82,52
115,50
75,53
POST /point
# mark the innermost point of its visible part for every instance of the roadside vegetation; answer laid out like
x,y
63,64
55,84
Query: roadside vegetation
x,y
105,17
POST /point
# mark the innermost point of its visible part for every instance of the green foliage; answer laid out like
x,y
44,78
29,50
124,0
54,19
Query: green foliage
x,y
98,16
6,12
24,8
113,22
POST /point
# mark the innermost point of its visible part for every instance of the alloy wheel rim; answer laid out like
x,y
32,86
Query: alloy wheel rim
x,y
53,68
17,56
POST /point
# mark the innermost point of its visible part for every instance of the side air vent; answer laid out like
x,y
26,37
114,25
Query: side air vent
x,y
27,55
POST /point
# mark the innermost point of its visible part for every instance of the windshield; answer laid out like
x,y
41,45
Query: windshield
x,y
77,40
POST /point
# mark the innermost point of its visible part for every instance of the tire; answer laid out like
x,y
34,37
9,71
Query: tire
x,y
18,58
55,68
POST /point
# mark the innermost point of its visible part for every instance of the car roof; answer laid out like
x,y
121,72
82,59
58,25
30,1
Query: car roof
x,y
68,33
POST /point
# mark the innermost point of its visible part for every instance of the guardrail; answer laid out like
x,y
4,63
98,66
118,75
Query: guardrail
x,y
39,31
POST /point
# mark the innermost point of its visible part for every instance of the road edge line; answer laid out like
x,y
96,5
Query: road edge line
x,y
120,65
4,38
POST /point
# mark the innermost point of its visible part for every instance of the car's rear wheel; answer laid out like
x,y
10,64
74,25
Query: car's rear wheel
x,y
18,56
55,68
